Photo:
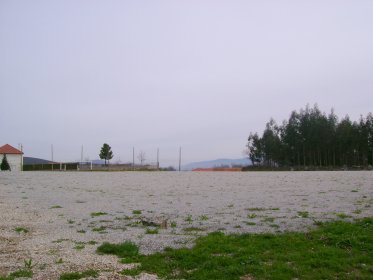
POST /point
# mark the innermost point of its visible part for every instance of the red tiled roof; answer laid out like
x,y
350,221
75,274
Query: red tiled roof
x,y
7,149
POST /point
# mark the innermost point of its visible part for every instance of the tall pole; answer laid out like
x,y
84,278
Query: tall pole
x,y
52,155
133,158
180,159
81,155
157,158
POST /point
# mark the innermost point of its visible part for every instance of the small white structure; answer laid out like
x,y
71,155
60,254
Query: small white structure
x,y
14,157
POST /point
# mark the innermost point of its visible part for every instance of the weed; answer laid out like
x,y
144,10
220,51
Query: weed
x,y
92,242
151,231
354,191
203,218
136,212
342,215
78,275
250,223
96,214
173,224
55,207
256,209
21,230
79,247
189,229
357,211
268,219
303,214
99,229
81,231
28,264
60,240
189,219
59,261
251,216
70,222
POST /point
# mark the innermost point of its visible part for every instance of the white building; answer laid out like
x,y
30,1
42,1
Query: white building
x,y
14,157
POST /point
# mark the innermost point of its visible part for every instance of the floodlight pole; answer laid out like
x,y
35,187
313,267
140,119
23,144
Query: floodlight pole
x,y
133,158
52,155
157,158
180,159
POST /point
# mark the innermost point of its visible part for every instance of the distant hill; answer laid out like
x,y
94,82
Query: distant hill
x,y
32,160
216,163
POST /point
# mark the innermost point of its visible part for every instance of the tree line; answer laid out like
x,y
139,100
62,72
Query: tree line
x,y
311,138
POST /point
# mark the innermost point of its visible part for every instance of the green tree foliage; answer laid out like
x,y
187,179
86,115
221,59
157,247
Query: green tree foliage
x,y
311,138
106,153
4,164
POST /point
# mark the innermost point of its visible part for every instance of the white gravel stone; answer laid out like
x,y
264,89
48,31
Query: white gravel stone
x,y
56,209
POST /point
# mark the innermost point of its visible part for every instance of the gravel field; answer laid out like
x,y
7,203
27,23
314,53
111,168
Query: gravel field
x,y
58,219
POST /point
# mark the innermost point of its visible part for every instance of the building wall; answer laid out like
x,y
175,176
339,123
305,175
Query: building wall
x,y
15,161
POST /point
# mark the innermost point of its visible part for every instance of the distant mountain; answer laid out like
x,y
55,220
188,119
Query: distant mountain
x,y
32,160
216,163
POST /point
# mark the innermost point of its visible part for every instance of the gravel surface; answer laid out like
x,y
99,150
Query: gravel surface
x,y
58,219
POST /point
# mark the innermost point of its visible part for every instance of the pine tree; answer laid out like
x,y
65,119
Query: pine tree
x,y
106,153
4,164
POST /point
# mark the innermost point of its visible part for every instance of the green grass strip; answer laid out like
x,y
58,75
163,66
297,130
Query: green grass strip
x,y
78,275
337,250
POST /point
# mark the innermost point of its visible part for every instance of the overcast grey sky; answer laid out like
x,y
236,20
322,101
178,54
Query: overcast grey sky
x,y
197,74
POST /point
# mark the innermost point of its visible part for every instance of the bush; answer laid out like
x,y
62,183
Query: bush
x,y
4,164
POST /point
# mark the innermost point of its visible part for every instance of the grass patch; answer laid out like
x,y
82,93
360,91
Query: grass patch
x,y
136,212
24,273
342,215
189,219
268,219
151,231
251,216
78,275
337,250
21,230
96,214
256,209
262,209
203,217
99,229
122,250
189,229
79,247
173,224
27,273
303,214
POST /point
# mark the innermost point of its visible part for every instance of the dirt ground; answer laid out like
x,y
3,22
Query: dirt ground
x,y
57,219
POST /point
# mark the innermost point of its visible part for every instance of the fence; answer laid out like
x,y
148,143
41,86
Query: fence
x,y
88,166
